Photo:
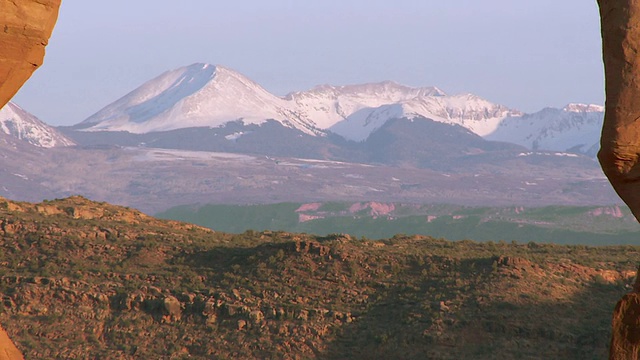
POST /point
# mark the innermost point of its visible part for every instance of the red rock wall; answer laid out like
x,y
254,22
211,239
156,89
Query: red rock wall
x,y
8,351
620,143
25,28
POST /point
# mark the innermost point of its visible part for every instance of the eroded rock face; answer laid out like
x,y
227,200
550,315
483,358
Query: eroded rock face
x,y
25,28
8,351
620,143
625,342
625,334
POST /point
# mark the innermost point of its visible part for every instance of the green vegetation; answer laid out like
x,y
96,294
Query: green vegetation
x,y
552,224
235,217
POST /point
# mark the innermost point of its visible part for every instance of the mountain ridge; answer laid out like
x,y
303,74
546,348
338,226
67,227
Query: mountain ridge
x,y
192,96
207,95
20,124
204,95
575,128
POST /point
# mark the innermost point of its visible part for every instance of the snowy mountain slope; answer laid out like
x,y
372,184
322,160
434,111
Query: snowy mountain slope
x,y
18,123
193,96
210,96
574,128
328,105
467,110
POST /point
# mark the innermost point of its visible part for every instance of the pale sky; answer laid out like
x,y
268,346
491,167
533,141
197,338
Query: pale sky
x,y
526,55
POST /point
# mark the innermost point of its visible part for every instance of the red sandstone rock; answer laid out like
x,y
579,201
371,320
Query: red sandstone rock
x,y
625,336
8,351
25,28
620,143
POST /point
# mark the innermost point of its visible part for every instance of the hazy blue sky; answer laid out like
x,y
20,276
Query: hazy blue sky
x,y
523,54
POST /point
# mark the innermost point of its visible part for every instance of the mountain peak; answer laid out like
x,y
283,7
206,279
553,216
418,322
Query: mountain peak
x,y
198,95
18,123
196,66
386,88
183,97
581,108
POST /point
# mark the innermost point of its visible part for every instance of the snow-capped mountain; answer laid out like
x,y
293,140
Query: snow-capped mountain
x,y
328,105
18,123
469,111
193,96
202,95
574,128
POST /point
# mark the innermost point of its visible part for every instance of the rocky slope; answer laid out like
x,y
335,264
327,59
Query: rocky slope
x,y
18,123
90,280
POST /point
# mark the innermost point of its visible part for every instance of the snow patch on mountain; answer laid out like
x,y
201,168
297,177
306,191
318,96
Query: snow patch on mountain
x,y
575,128
584,108
18,123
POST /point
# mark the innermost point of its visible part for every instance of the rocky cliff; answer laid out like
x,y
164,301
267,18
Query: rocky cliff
x,y
25,28
620,143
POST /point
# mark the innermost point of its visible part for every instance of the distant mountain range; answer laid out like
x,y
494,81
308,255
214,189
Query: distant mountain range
x,y
219,99
206,95
205,133
203,95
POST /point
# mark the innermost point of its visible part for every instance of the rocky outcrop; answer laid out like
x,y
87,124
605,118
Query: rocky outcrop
x,y
8,351
25,28
625,337
620,143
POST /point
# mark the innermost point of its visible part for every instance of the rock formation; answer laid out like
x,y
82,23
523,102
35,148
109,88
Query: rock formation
x,y
26,26
7,350
625,339
620,144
